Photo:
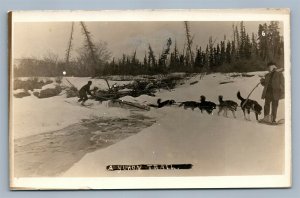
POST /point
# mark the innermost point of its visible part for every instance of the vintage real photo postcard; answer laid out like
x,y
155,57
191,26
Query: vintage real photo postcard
x,y
145,99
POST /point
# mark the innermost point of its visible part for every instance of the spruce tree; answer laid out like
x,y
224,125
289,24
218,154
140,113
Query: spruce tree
x,y
223,53
228,52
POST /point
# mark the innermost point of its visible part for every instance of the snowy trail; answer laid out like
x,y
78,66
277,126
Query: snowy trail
x,y
213,144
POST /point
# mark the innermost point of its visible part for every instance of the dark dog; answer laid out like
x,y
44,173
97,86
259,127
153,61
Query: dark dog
x,y
190,104
161,104
206,105
249,105
226,105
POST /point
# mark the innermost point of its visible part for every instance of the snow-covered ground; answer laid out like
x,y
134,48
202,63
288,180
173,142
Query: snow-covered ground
x,y
34,116
212,144
215,145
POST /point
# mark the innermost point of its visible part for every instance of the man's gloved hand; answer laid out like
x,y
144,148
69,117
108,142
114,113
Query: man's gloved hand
x,y
262,80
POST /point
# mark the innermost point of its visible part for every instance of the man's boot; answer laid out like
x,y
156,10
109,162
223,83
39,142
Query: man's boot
x,y
267,118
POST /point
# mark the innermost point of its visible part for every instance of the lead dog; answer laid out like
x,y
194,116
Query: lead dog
x,y
161,104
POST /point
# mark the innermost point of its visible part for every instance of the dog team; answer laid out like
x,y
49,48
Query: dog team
x,y
273,91
247,105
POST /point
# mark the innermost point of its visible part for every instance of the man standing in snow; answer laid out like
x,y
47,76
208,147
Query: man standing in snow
x,y
273,91
84,91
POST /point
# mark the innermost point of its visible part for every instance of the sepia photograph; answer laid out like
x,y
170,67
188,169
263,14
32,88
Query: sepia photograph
x,y
143,99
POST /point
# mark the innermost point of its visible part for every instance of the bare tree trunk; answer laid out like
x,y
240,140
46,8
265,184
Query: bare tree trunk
x,y
91,47
90,44
70,45
151,56
189,42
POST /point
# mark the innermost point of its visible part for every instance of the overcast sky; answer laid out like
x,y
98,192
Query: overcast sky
x,y
38,39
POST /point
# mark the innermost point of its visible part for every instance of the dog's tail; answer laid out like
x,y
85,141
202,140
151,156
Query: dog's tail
x,y
239,96
202,98
220,99
158,101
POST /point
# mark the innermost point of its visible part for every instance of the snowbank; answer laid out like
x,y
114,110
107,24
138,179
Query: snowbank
x,y
214,145
18,91
49,86
33,116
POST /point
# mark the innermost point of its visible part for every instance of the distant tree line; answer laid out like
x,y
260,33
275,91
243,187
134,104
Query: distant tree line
x,y
243,53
